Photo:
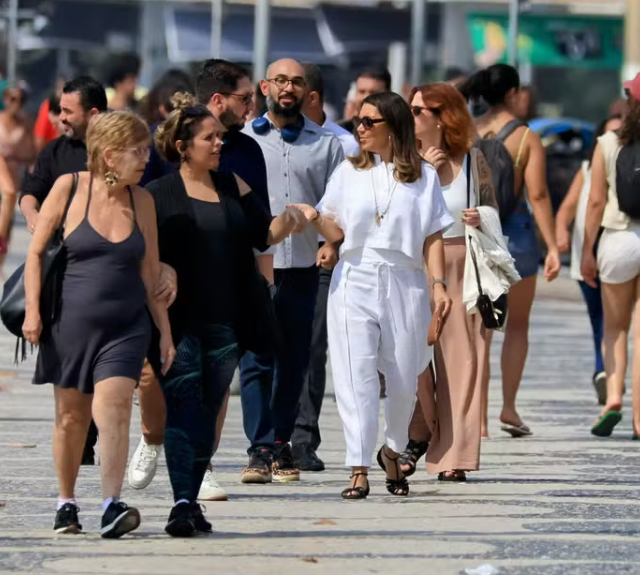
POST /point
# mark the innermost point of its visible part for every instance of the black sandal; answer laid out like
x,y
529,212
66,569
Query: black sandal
x,y
457,476
410,456
356,492
398,486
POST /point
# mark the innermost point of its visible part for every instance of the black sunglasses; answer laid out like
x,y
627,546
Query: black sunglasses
x,y
367,122
417,110
245,98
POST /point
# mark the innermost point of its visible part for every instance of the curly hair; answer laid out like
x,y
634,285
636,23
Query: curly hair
x,y
450,107
117,130
181,125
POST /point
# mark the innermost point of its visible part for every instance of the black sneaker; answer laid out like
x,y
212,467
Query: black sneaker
x,y
306,459
181,522
284,469
67,520
259,468
199,521
118,520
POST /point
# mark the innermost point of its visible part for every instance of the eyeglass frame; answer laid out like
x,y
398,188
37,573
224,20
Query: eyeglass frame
x,y
367,122
287,80
434,111
246,98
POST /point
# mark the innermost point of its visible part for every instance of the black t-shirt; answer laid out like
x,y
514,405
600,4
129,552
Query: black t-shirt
x,y
62,156
217,268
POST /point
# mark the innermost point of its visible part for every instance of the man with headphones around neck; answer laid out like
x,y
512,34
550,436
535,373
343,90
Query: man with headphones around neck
x,y
300,157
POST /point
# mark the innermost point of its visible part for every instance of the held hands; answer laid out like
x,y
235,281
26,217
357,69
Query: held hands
x,y
167,353
471,217
552,265
167,287
435,157
32,328
310,213
297,218
327,257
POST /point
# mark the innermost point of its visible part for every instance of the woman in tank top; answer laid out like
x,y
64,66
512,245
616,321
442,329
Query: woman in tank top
x,y
94,350
209,222
574,209
617,264
445,134
498,86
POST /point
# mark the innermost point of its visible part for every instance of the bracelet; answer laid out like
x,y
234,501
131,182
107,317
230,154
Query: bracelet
x,y
440,281
318,214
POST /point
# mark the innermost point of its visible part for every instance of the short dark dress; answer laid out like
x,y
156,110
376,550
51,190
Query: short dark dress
x,y
103,328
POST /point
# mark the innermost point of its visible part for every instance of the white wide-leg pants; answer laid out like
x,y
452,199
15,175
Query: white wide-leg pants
x,y
378,320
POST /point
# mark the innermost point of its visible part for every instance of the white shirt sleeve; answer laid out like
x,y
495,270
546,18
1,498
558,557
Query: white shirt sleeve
x,y
439,218
332,203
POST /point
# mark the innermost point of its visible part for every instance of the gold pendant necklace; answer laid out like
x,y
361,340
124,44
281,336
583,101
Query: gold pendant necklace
x,y
380,215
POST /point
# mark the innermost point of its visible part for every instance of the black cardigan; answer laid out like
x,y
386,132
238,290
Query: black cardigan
x,y
178,241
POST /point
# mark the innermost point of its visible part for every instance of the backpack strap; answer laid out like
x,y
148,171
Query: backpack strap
x,y
509,128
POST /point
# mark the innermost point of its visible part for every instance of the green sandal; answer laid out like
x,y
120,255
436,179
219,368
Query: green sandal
x,y
606,423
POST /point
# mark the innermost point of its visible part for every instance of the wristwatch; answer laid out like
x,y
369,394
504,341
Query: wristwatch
x,y
440,281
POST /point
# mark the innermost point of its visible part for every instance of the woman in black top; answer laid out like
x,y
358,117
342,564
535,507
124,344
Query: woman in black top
x,y
208,225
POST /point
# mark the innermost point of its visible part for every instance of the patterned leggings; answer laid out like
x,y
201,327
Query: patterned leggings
x,y
194,390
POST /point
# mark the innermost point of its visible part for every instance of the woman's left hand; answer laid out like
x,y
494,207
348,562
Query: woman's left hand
x,y
441,299
167,353
471,217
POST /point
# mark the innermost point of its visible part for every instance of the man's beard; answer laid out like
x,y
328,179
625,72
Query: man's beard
x,y
74,132
292,111
231,121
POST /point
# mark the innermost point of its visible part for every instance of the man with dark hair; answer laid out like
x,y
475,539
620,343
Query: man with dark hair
x,y
123,79
81,99
370,81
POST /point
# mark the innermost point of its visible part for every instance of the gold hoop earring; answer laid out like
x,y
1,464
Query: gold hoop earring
x,y
111,178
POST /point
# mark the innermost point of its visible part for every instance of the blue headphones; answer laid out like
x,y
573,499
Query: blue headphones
x,y
290,133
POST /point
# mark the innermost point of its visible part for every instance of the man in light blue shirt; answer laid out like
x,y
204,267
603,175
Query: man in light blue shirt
x,y
300,157
306,436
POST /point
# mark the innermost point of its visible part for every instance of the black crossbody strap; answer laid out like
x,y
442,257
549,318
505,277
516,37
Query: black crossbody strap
x,y
473,253
468,180
58,236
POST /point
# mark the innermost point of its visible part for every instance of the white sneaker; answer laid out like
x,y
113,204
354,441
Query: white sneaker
x,y
210,489
144,464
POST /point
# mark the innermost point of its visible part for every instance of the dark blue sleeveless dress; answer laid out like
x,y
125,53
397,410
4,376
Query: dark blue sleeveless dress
x,y
103,328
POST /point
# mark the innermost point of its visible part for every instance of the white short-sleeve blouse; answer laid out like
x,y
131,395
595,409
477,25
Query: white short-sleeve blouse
x,y
412,212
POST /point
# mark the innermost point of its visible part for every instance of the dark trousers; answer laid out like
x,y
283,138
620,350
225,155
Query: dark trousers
x,y
593,299
307,430
270,387
194,390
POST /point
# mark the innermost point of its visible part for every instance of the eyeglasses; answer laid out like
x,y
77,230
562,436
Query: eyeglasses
x,y
417,110
366,122
245,98
139,153
281,82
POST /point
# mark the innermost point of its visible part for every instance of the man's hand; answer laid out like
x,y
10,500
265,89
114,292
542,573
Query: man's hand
x,y
167,288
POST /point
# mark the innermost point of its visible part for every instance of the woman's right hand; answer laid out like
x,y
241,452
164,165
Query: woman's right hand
x,y
589,269
32,327
435,156
310,213
297,219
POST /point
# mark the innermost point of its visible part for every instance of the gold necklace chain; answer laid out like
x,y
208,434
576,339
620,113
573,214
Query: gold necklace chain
x,y
380,215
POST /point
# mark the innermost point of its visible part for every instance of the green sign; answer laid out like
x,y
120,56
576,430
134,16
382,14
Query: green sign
x,y
562,41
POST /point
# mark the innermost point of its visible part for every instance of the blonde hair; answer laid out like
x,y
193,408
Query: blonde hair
x,y
117,130
181,125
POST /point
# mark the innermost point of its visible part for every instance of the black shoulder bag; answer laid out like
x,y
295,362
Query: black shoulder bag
x,y
13,302
493,313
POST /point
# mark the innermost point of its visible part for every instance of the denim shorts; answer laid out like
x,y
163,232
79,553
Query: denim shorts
x,y
520,230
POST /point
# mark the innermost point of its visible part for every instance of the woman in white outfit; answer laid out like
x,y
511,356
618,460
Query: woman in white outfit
x,y
387,207
618,265
574,209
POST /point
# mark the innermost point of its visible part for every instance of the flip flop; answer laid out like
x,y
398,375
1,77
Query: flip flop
x,y
516,430
605,424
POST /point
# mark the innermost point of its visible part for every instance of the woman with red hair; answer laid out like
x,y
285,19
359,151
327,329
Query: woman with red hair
x,y
445,134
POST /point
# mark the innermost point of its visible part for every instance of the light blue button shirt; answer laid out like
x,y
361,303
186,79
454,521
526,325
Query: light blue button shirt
x,y
298,173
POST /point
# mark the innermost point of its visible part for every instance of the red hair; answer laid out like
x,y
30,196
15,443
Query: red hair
x,y
448,104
